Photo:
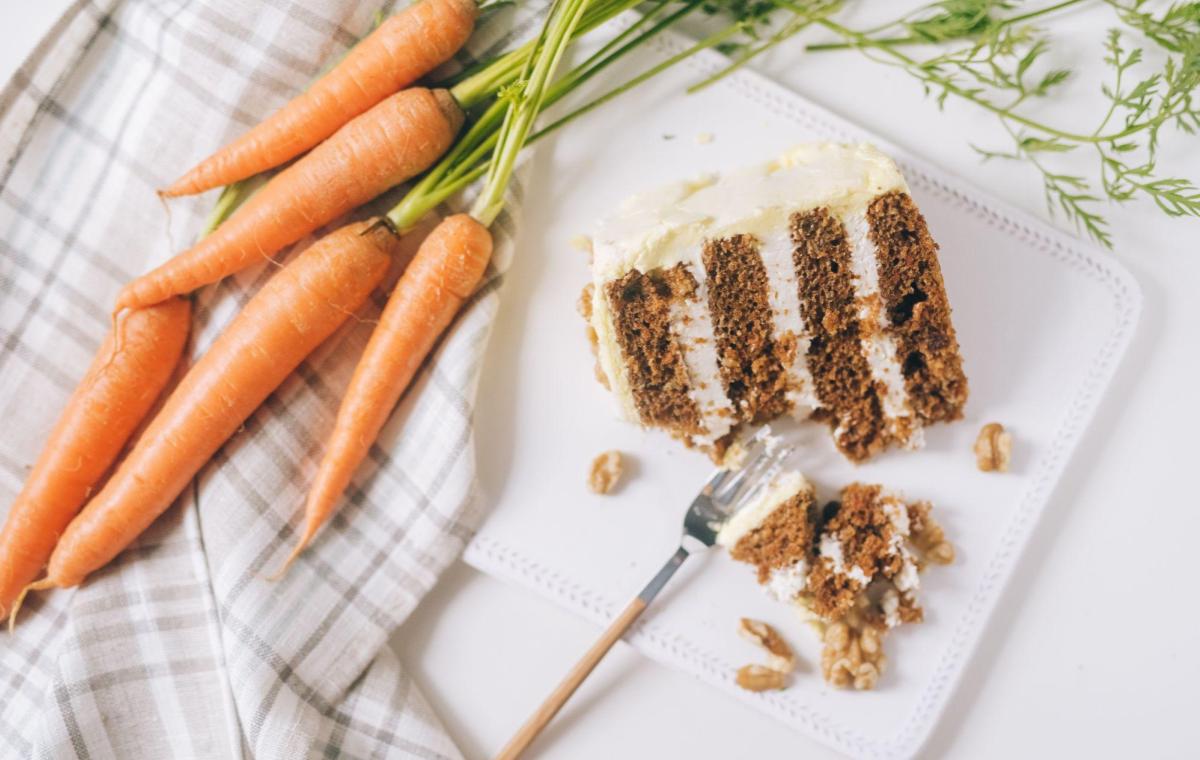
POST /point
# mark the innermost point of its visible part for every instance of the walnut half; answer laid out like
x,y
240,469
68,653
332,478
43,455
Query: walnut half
x,y
606,471
760,678
852,657
780,655
993,448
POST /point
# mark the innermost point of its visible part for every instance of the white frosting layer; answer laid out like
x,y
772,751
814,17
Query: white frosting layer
x,y
692,324
666,226
878,345
775,249
786,583
891,607
909,578
608,354
749,517
830,548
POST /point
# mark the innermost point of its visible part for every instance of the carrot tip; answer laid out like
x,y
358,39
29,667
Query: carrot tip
x,y
287,563
41,585
173,190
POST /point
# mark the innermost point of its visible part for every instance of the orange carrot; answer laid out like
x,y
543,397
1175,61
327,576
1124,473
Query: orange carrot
x,y
388,144
405,47
290,316
114,396
445,271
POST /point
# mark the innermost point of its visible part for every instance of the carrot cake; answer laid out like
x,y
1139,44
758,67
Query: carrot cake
x,y
852,566
808,286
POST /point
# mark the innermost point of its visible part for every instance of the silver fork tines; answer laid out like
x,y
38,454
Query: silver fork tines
x,y
755,475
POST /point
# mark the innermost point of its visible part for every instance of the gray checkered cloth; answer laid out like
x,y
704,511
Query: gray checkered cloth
x,y
182,648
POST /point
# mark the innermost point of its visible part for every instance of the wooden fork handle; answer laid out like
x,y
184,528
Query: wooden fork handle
x,y
571,682
589,661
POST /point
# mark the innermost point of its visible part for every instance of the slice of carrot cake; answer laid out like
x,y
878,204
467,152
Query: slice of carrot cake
x,y
807,286
853,567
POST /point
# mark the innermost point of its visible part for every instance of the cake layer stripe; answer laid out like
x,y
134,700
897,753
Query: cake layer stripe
x,y
840,371
775,250
914,296
878,343
751,362
654,364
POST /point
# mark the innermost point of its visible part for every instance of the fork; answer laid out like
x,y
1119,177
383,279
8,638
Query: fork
x,y
724,493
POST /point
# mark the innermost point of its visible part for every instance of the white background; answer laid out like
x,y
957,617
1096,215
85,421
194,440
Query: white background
x,y
1095,648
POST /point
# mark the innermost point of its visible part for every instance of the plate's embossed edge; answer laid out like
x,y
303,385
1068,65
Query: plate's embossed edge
x,y
493,556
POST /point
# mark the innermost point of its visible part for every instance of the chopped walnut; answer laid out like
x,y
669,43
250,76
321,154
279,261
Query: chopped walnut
x,y
928,537
993,448
760,678
584,304
853,656
584,307
779,655
606,471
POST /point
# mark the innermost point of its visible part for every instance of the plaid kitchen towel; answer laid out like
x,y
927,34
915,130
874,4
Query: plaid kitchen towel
x,y
182,648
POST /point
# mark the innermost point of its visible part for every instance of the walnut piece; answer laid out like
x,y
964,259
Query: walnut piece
x,y
779,655
993,448
853,656
584,307
584,304
606,471
928,537
760,678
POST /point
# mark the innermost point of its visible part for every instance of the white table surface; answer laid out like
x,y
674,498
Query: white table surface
x,y
1090,655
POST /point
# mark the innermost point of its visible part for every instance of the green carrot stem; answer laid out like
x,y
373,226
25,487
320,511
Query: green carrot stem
x,y
524,108
231,197
919,40
708,42
798,23
482,82
423,198
821,47
859,41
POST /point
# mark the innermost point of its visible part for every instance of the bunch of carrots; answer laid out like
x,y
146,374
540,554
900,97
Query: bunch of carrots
x,y
360,129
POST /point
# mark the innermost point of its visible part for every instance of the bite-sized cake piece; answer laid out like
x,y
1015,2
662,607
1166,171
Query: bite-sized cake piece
x,y
864,551
807,286
776,532
853,567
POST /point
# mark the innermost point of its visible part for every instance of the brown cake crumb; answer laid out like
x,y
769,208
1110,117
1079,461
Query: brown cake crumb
x,y
785,537
584,307
750,362
835,358
863,532
658,378
910,280
606,472
860,562
993,448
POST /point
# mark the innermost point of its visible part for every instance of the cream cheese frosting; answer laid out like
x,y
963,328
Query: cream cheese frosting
x,y
691,322
668,225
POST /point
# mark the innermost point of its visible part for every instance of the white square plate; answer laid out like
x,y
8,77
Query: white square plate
x,y
1042,319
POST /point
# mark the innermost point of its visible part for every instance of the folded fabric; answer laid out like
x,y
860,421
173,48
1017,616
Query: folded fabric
x,y
183,648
